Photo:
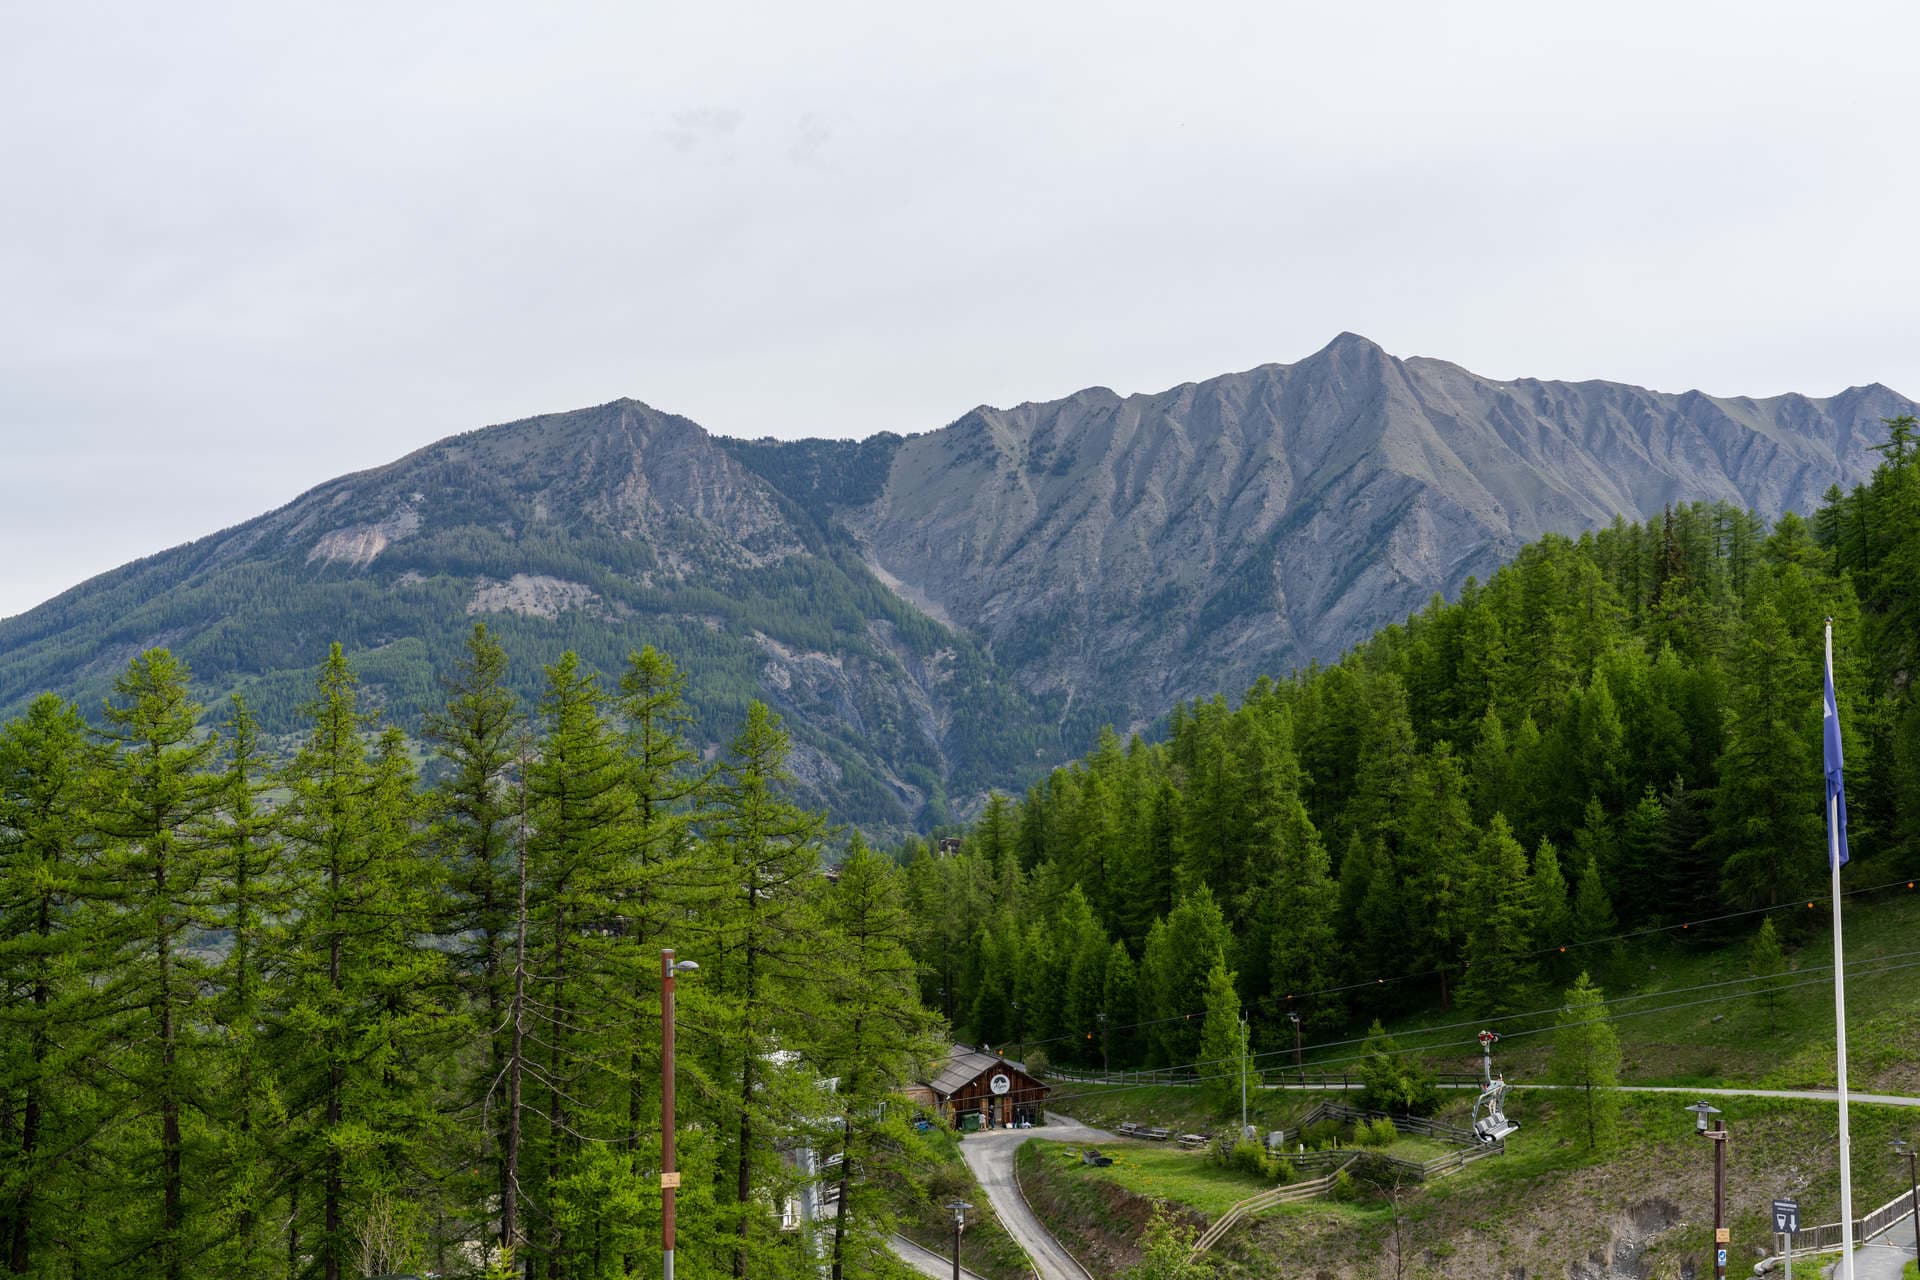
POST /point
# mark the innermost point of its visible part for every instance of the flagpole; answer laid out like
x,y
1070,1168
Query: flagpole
x,y
1840,1008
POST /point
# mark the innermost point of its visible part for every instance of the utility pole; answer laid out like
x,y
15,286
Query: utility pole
x,y
1718,1134
959,1208
669,1176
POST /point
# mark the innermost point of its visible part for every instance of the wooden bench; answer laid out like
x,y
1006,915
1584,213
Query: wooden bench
x,y
1194,1139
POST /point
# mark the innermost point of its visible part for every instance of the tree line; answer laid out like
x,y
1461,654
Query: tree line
x,y
300,1013
1613,732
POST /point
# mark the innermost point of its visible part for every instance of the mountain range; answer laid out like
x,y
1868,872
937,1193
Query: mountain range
x,y
940,613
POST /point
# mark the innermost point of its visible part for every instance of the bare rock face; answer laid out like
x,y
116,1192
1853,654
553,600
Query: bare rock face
x,y
1164,546
941,613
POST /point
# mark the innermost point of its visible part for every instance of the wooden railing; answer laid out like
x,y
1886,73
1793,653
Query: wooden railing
x,y
1267,1200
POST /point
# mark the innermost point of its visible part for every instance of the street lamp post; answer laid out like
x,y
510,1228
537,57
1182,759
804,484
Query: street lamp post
x,y
669,1176
1718,1133
1902,1147
959,1208
1294,1018
1104,1068
1243,1077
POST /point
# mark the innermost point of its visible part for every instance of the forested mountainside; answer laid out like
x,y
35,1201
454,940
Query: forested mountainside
x,y
938,614
1612,732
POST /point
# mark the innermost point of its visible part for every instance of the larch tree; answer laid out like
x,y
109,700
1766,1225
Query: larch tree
x,y
47,991
153,800
1586,1061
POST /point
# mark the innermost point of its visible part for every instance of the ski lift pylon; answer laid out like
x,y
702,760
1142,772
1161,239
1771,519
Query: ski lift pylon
x,y
1493,1126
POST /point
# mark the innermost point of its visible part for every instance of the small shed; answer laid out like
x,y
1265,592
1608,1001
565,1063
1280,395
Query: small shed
x,y
974,1088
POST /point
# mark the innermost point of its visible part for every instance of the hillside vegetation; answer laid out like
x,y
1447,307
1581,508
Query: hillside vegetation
x,y
1611,735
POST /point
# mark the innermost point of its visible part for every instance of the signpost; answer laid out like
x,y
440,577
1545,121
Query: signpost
x,y
1786,1221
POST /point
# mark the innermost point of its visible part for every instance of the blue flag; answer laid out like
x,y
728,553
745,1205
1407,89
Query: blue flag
x,y
1836,788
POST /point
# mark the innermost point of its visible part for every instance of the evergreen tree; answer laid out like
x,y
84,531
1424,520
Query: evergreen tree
x,y
1768,963
1552,921
154,797
1586,1059
48,1001
1223,1058
478,736
358,1027
868,1043
1767,808
1499,970
757,927
249,1110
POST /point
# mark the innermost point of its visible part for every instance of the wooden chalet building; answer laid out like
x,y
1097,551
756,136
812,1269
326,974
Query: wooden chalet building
x,y
975,1089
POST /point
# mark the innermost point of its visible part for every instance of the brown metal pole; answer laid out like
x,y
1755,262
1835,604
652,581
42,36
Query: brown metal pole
x,y
1719,1194
669,1179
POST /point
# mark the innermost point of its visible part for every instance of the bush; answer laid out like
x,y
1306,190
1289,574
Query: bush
x,y
1344,1187
1321,1135
1037,1064
1375,1133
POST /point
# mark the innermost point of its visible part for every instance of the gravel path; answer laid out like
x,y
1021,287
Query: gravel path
x,y
1881,1260
927,1262
990,1156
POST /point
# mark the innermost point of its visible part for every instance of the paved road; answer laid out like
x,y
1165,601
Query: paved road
x,y
925,1261
1881,1260
990,1156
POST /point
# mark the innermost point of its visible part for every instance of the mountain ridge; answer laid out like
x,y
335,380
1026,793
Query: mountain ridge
x,y
941,612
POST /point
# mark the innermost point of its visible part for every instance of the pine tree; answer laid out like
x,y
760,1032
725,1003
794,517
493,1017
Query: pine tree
x,y
1499,969
1767,810
1552,915
868,1043
1767,963
478,736
357,1028
581,871
48,995
249,1110
1222,1041
756,927
1586,1058
155,796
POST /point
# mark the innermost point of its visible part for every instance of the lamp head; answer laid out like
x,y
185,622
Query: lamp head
x,y
959,1208
1700,1113
1901,1147
686,966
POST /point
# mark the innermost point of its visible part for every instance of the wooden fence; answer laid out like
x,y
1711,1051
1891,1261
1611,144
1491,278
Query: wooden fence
x,y
1266,1200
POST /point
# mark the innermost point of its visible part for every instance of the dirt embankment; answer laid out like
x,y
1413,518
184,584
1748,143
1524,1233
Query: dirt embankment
x,y
1101,1223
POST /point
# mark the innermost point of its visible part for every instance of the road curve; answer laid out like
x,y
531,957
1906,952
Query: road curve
x,y
926,1261
990,1156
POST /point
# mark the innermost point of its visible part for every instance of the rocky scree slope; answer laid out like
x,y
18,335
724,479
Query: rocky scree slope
x,y
939,613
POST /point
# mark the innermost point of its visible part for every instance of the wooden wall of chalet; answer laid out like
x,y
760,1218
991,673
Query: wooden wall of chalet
x,y
1027,1098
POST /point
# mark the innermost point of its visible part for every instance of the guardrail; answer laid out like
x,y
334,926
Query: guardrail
x,y
1265,1200
1827,1235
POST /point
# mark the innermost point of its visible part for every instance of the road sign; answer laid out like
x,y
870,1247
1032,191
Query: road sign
x,y
1723,1235
1786,1216
1720,1259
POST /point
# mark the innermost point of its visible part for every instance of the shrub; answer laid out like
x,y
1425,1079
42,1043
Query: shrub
x,y
1344,1187
1376,1133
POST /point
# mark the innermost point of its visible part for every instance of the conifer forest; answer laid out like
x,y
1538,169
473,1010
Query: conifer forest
x,y
315,1018
1614,732
346,1002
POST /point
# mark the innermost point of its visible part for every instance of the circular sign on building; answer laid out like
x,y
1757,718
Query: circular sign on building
x,y
1000,1083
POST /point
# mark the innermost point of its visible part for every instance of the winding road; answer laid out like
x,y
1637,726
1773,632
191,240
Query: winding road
x,y
990,1156
926,1261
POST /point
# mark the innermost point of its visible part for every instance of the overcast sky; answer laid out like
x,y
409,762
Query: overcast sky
x,y
245,248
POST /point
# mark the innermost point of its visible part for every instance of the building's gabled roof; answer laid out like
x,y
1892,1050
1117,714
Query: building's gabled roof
x,y
963,1065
